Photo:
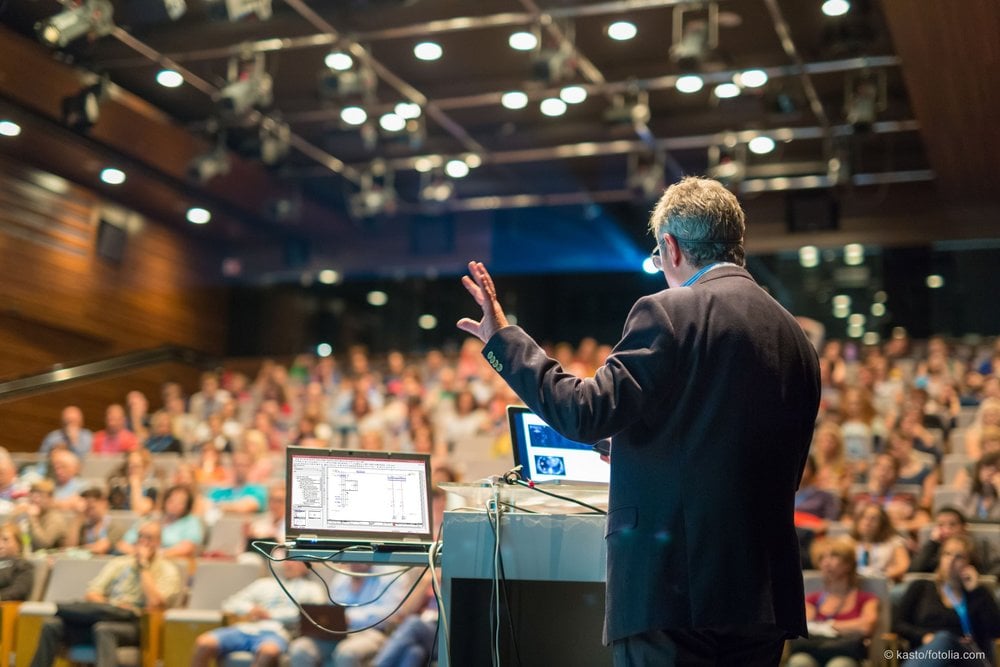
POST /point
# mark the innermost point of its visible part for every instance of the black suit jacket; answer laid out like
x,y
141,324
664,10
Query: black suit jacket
x,y
710,399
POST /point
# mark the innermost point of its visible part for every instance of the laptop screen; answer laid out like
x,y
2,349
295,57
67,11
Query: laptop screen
x,y
546,456
358,496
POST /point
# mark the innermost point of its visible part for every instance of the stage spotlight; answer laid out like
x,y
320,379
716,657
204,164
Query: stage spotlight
x,y
629,109
250,86
82,110
374,198
551,66
91,17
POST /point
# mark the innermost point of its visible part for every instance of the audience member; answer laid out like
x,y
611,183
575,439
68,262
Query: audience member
x,y
881,552
91,528
817,506
950,522
987,415
127,586
17,574
11,487
983,501
902,507
65,468
45,525
114,438
133,487
161,437
71,434
834,473
242,497
951,616
915,468
137,414
268,617
182,532
209,399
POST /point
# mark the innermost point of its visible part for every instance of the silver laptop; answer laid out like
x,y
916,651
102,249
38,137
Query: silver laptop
x,y
338,499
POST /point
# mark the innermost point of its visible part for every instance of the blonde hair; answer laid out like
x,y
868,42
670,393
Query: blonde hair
x,y
842,547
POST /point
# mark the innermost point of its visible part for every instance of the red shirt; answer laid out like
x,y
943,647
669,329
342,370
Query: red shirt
x,y
120,443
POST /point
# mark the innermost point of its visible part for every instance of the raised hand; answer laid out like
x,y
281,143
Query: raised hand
x,y
480,286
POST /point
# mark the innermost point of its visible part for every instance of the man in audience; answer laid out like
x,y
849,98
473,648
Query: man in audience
x,y
45,525
91,530
72,434
268,617
209,400
114,438
129,585
369,601
161,437
68,483
11,488
950,522
242,497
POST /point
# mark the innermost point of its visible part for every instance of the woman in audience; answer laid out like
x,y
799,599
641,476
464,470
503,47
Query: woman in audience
x,y
917,469
841,617
881,552
261,464
17,574
833,473
859,424
987,415
467,421
133,486
983,501
210,470
951,616
182,534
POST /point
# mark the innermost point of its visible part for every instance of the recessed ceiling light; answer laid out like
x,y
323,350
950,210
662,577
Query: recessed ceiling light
x,y
842,301
836,7
622,30
553,106
408,110
854,254
113,176
573,94
522,41
338,61
391,122
328,276
761,145
473,160
428,51
809,257
727,90
456,168
423,164
871,338
324,350
878,309
935,281
689,83
427,322
857,319
515,99
9,128
353,115
378,298
198,216
752,78
169,78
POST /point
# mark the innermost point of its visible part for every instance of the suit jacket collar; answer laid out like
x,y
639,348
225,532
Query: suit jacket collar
x,y
726,271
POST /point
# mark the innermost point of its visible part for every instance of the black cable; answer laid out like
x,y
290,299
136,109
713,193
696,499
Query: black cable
x,y
506,596
348,605
430,654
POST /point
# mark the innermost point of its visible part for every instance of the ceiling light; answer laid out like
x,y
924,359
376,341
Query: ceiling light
x,y
456,168
752,78
169,78
553,106
391,122
473,160
9,128
522,41
338,61
841,301
727,90
622,31
438,190
427,322
423,164
198,216
856,320
378,298
328,276
809,256
689,83
71,24
854,254
515,99
871,338
427,51
761,145
353,115
113,176
935,281
573,94
881,296
408,110
324,350
878,309
855,330
836,7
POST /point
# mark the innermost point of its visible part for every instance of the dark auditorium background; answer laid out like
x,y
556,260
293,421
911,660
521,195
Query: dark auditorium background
x,y
878,183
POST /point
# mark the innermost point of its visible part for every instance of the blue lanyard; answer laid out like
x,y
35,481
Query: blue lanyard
x,y
961,607
693,279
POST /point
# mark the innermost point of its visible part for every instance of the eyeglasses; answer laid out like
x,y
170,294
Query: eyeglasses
x,y
655,257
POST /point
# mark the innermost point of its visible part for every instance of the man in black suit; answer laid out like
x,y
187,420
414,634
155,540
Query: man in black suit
x,y
710,399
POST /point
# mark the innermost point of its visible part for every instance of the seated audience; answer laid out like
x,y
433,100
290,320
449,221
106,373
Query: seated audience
x,y
128,585
833,471
209,399
71,434
243,497
268,618
114,438
881,552
902,507
161,437
65,468
45,525
950,522
915,468
950,614
814,507
369,600
182,532
17,574
983,501
841,617
988,415
133,486
91,529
